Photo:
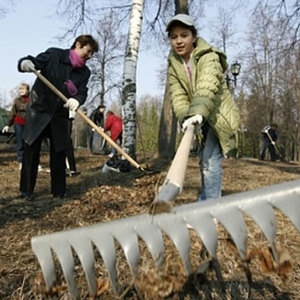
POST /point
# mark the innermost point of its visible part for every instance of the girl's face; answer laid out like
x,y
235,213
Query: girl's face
x,y
182,41
84,52
23,90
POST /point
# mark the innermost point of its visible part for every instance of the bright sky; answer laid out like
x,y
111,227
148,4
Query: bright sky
x,y
29,29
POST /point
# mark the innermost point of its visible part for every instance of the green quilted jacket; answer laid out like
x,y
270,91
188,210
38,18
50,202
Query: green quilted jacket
x,y
207,95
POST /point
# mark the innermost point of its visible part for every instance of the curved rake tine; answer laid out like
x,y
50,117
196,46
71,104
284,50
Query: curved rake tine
x,y
129,243
263,214
290,206
42,250
205,228
83,247
104,242
232,219
64,254
175,228
152,236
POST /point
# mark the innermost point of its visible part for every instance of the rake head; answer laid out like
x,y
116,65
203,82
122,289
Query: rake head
x,y
258,204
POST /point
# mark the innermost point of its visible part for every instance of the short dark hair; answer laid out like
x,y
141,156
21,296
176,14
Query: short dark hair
x,y
86,39
178,23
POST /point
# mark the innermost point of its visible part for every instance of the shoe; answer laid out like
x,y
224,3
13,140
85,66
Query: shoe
x,y
58,196
26,196
73,173
106,169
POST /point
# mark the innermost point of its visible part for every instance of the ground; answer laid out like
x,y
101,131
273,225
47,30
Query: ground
x,y
94,197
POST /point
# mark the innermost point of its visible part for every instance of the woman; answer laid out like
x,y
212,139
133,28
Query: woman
x,y
17,118
200,96
47,115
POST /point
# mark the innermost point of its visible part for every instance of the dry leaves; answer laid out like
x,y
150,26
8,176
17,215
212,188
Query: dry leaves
x,y
267,261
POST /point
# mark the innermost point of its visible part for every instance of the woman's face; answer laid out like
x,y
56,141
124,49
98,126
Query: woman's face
x,y
182,41
84,52
23,90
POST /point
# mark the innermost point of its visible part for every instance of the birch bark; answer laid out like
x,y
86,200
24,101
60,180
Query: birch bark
x,y
129,78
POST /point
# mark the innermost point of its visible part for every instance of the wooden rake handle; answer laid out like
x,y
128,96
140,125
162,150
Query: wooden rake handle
x,y
89,121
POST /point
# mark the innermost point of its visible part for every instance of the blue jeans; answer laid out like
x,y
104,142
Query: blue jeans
x,y
20,142
211,167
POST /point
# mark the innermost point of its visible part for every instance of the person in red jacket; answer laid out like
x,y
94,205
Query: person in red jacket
x,y
17,118
114,124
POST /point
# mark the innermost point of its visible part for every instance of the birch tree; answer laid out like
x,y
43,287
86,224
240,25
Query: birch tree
x,y
129,78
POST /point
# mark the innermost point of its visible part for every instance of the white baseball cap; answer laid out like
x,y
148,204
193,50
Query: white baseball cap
x,y
183,18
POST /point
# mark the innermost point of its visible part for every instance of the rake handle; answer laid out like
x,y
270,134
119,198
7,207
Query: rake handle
x,y
88,120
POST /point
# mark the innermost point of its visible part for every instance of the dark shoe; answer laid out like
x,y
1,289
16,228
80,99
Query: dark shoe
x,y
26,196
58,196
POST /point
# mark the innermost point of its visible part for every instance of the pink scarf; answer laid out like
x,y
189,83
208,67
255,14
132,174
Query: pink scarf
x,y
75,59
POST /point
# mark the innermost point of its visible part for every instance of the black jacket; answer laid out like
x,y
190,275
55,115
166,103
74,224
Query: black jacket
x,y
97,117
44,106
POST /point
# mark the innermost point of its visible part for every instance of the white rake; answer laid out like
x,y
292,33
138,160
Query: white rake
x,y
258,204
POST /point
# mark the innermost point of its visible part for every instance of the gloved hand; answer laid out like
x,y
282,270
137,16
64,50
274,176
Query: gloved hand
x,y
192,120
27,66
72,104
273,143
5,129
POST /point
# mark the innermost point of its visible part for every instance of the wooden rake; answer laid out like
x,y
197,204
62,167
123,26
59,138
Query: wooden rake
x,y
89,121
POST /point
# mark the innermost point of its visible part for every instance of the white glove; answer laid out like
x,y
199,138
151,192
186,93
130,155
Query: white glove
x,y
72,114
72,104
5,129
27,66
273,143
192,120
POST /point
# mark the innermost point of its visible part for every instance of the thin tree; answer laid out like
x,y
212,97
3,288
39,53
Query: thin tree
x,y
168,122
129,78
105,64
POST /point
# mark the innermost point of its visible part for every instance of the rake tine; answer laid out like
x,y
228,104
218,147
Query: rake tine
x,y
104,242
175,228
64,254
205,228
290,206
83,247
152,236
232,219
263,214
129,243
42,250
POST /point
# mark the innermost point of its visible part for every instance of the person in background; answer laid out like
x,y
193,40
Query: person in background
x,y
96,142
70,157
200,96
47,115
97,115
17,118
269,136
114,124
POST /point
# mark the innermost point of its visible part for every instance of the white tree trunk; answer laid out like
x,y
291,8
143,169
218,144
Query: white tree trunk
x,y
129,78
